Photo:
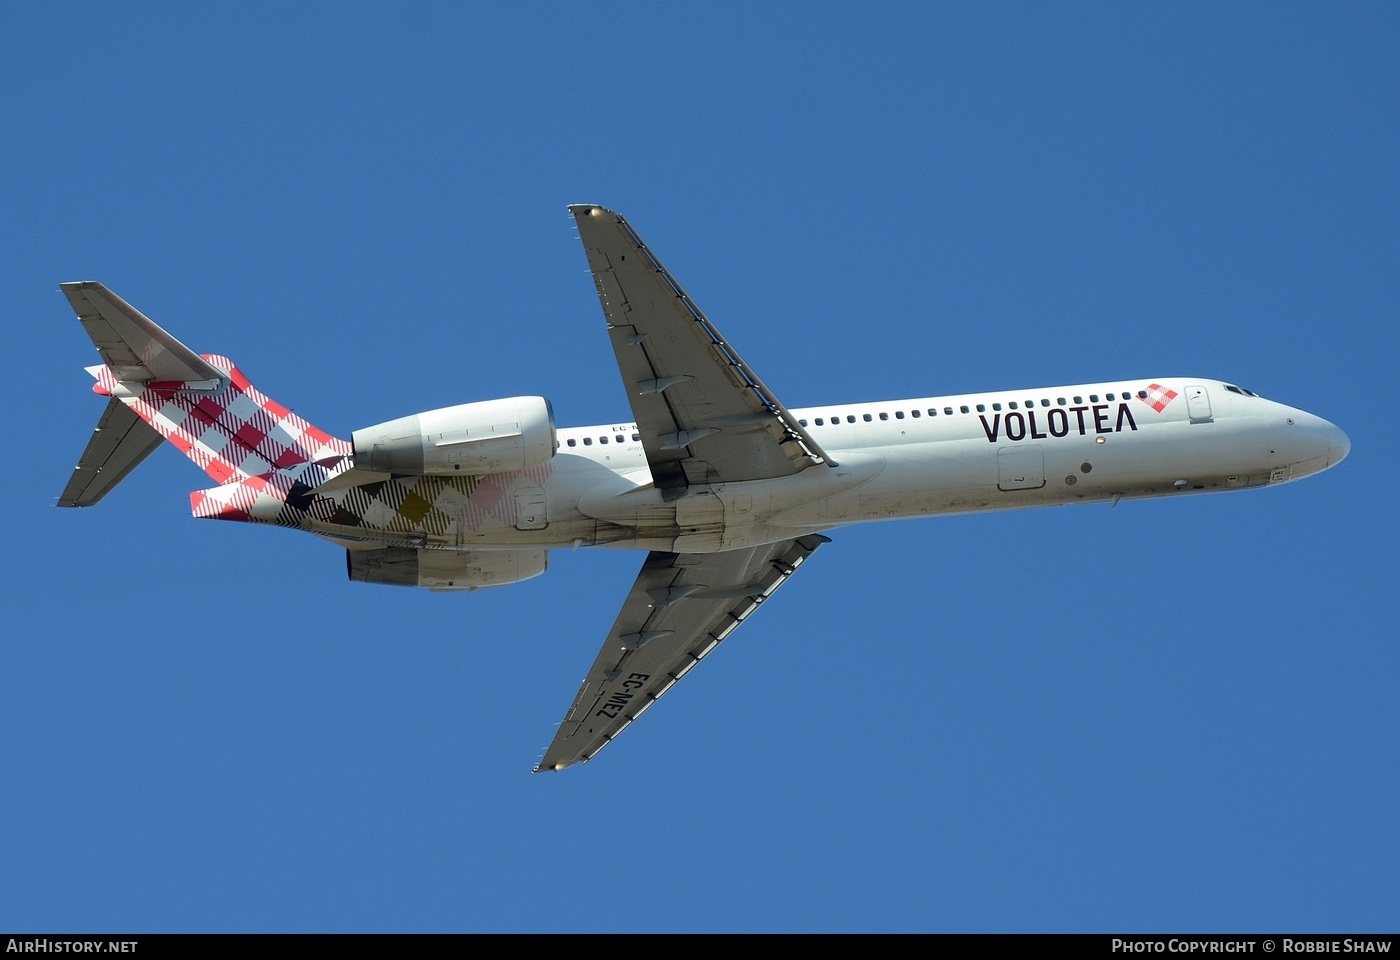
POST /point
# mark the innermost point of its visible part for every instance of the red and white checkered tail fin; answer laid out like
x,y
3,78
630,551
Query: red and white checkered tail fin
x,y
204,406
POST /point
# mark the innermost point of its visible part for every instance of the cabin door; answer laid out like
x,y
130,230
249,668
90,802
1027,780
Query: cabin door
x,y
1197,403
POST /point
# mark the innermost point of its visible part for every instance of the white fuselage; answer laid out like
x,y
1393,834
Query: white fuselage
x,y
904,458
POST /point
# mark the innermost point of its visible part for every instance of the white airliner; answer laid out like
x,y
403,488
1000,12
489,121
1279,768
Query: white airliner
x,y
729,490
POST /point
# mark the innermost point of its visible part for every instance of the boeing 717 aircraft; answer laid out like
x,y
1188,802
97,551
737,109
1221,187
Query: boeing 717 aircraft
x,y
728,490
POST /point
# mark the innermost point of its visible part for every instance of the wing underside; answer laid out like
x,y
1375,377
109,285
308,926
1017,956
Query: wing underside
x,y
704,415
679,609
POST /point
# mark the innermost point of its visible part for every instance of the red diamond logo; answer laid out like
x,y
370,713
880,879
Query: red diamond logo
x,y
1158,397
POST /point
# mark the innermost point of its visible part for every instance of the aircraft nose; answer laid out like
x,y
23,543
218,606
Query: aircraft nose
x,y
1338,444
1309,443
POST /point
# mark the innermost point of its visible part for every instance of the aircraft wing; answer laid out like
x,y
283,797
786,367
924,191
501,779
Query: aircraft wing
x,y
118,445
680,608
703,414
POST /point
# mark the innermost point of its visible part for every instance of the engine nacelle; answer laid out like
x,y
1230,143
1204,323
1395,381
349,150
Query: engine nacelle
x,y
445,569
494,436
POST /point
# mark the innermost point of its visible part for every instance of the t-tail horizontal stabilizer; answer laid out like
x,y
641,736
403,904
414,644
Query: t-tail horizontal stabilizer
x,y
132,347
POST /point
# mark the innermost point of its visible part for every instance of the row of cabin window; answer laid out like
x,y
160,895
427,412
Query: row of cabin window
x,y
899,414
588,441
981,408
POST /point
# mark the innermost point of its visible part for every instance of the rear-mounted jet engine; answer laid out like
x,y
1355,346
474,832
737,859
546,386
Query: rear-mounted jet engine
x,y
493,436
445,570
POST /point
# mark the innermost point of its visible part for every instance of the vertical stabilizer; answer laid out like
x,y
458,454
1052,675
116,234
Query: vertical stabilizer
x,y
265,457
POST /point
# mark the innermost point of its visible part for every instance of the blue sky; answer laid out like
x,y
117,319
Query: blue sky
x,y
1164,716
